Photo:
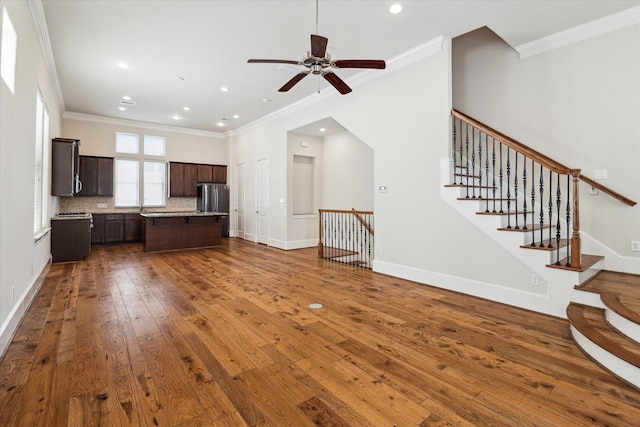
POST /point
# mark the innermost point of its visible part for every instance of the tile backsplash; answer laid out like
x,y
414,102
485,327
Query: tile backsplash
x,y
106,205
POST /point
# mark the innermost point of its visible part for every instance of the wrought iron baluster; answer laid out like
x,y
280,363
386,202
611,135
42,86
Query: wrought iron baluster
x,y
524,193
550,245
501,176
533,203
486,167
473,163
568,212
467,158
453,150
480,166
558,228
461,151
493,161
508,189
541,208
515,191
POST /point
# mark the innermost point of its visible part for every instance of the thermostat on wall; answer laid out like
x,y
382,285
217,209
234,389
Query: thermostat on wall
x,y
382,188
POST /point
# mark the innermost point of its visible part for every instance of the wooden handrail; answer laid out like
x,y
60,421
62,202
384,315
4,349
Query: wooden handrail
x,y
362,221
604,189
537,156
345,211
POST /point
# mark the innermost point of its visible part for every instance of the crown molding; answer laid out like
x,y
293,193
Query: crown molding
x,y
37,14
140,125
596,28
425,50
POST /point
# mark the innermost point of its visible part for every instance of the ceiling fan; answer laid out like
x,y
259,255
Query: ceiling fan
x,y
319,62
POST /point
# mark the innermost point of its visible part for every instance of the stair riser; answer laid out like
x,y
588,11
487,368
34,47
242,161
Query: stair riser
x,y
623,325
619,367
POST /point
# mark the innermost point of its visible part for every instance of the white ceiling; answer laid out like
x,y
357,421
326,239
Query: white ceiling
x,y
207,44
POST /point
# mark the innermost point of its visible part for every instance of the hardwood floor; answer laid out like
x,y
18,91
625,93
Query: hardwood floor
x,y
225,337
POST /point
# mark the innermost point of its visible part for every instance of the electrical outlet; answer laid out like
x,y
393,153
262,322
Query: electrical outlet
x,y
535,279
102,205
635,246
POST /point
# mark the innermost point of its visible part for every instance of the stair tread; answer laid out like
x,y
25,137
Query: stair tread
x,y
545,245
620,292
591,322
586,261
524,230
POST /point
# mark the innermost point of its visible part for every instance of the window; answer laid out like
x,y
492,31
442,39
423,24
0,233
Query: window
x,y
140,175
41,188
8,51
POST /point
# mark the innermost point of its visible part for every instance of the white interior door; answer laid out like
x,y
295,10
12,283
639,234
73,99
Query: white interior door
x,y
262,201
239,210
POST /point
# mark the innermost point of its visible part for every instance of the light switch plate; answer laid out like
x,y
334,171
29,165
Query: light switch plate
x,y
600,174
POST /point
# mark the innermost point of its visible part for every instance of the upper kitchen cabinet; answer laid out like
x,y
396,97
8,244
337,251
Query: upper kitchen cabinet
x,y
184,177
219,174
96,175
65,166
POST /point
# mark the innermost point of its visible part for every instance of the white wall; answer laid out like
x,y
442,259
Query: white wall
x,y
97,138
580,105
347,176
21,260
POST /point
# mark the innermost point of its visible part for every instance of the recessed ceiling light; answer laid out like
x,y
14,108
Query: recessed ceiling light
x,y
224,89
220,124
124,65
175,117
126,98
186,108
395,8
322,129
266,100
235,116
122,109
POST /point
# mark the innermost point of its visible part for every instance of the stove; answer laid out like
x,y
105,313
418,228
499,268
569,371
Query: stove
x,y
73,215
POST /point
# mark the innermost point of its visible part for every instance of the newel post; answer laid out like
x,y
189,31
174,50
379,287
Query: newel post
x,y
320,251
576,249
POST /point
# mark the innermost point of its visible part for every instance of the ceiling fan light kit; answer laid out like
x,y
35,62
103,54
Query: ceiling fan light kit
x,y
318,62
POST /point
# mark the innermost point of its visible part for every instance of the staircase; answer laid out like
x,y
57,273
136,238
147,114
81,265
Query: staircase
x,y
346,236
528,204
610,332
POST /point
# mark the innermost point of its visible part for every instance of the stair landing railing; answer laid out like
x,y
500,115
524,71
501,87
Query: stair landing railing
x,y
346,236
538,194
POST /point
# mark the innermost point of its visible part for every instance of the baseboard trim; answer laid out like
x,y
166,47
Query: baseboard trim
x,y
10,325
539,303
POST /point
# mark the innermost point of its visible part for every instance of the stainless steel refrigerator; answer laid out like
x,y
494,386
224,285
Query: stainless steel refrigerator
x,y
215,198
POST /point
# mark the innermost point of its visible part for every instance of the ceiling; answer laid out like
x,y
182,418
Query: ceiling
x,y
182,52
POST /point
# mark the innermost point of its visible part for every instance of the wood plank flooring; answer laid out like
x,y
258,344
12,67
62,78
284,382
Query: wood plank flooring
x,y
225,337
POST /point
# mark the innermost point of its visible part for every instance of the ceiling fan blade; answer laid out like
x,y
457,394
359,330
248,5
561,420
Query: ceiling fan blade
x,y
360,63
291,83
273,61
318,45
337,82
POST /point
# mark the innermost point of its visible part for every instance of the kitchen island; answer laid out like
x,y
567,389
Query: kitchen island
x,y
166,231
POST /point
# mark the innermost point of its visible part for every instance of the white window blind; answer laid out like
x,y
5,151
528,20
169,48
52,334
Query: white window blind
x,y
41,169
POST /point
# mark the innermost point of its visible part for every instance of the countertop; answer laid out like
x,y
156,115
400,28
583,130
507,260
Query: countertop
x,y
180,214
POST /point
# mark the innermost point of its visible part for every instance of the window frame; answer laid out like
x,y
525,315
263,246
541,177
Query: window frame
x,y
142,158
42,145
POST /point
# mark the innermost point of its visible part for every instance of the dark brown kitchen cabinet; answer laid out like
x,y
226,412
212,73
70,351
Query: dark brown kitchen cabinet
x,y
190,180
132,228
65,165
113,228
205,173
184,177
96,175
219,174
176,179
70,239
97,231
